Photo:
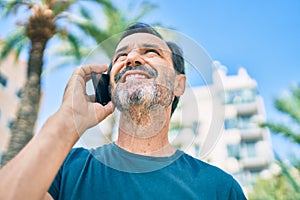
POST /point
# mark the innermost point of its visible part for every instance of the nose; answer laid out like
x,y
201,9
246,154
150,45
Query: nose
x,y
134,59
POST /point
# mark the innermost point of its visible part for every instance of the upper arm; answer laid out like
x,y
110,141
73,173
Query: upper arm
x,y
237,191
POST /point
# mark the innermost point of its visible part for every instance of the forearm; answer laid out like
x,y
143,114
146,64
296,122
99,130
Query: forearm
x,y
30,173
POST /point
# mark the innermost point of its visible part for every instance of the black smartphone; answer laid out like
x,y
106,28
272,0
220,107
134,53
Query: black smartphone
x,y
101,86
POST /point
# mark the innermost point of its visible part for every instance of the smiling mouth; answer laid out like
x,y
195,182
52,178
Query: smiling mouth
x,y
135,75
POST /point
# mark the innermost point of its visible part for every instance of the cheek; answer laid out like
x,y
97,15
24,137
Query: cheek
x,y
164,95
166,77
116,68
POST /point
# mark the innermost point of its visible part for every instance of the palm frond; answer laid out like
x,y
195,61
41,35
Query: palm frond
x,y
284,130
11,7
73,44
104,3
60,6
64,57
2,4
61,62
20,47
114,16
88,27
64,49
13,42
289,105
287,174
146,8
296,95
85,13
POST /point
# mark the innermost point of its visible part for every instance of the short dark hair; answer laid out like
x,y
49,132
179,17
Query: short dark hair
x,y
178,63
139,27
177,53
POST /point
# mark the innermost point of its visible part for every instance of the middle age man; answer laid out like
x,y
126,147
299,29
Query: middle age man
x,y
146,82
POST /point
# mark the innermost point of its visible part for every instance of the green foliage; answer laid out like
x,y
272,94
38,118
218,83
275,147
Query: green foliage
x,y
75,24
289,105
11,7
15,41
281,186
68,23
274,188
284,130
286,185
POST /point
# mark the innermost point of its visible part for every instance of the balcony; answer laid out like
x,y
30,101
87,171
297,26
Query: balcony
x,y
247,108
254,163
251,134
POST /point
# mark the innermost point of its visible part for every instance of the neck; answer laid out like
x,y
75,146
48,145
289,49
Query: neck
x,y
151,139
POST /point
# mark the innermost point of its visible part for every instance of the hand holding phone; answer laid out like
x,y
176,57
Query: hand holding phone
x,y
101,86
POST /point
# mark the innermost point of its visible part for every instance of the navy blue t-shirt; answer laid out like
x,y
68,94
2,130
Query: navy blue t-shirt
x,y
110,172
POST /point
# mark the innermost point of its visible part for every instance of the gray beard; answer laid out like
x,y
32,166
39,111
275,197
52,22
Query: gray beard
x,y
141,93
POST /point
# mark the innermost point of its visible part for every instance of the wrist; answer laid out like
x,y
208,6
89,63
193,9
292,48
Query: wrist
x,y
62,126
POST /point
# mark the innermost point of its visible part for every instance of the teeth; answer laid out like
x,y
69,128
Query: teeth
x,y
135,76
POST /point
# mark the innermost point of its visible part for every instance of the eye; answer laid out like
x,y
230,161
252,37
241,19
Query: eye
x,y
152,51
120,57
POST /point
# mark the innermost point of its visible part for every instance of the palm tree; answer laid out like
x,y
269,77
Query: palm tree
x,y
51,19
289,105
282,184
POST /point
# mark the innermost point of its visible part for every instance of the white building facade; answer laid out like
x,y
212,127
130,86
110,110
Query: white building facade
x,y
226,130
12,79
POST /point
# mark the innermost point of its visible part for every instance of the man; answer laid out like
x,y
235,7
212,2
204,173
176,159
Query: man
x,y
146,80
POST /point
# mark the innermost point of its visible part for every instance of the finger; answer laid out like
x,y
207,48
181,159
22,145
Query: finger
x,y
110,107
86,70
81,72
91,98
103,111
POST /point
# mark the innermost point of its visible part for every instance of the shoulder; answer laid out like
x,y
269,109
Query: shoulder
x,y
213,176
77,154
203,166
83,156
77,159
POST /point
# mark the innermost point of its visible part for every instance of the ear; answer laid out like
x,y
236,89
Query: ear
x,y
179,86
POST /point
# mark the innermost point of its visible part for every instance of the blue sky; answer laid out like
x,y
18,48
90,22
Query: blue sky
x,y
261,36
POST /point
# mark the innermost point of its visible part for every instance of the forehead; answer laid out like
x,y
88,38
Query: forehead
x,y
137,40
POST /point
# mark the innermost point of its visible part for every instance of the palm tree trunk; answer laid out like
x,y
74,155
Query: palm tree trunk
x,y
23,128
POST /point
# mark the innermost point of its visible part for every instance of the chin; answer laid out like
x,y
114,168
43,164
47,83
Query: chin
x,y
143,94
124,98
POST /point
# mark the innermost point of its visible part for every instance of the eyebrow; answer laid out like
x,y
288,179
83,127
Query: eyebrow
x,y
121,49
151,46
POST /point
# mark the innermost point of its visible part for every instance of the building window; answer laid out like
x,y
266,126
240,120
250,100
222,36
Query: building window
x,y
249,149
19,92
3,80
240,122
10,124
233,150
0,158
231,123
246,95
247,122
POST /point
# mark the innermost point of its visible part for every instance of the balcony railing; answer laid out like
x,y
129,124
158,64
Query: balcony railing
x,y
251,134
247,108
254,163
